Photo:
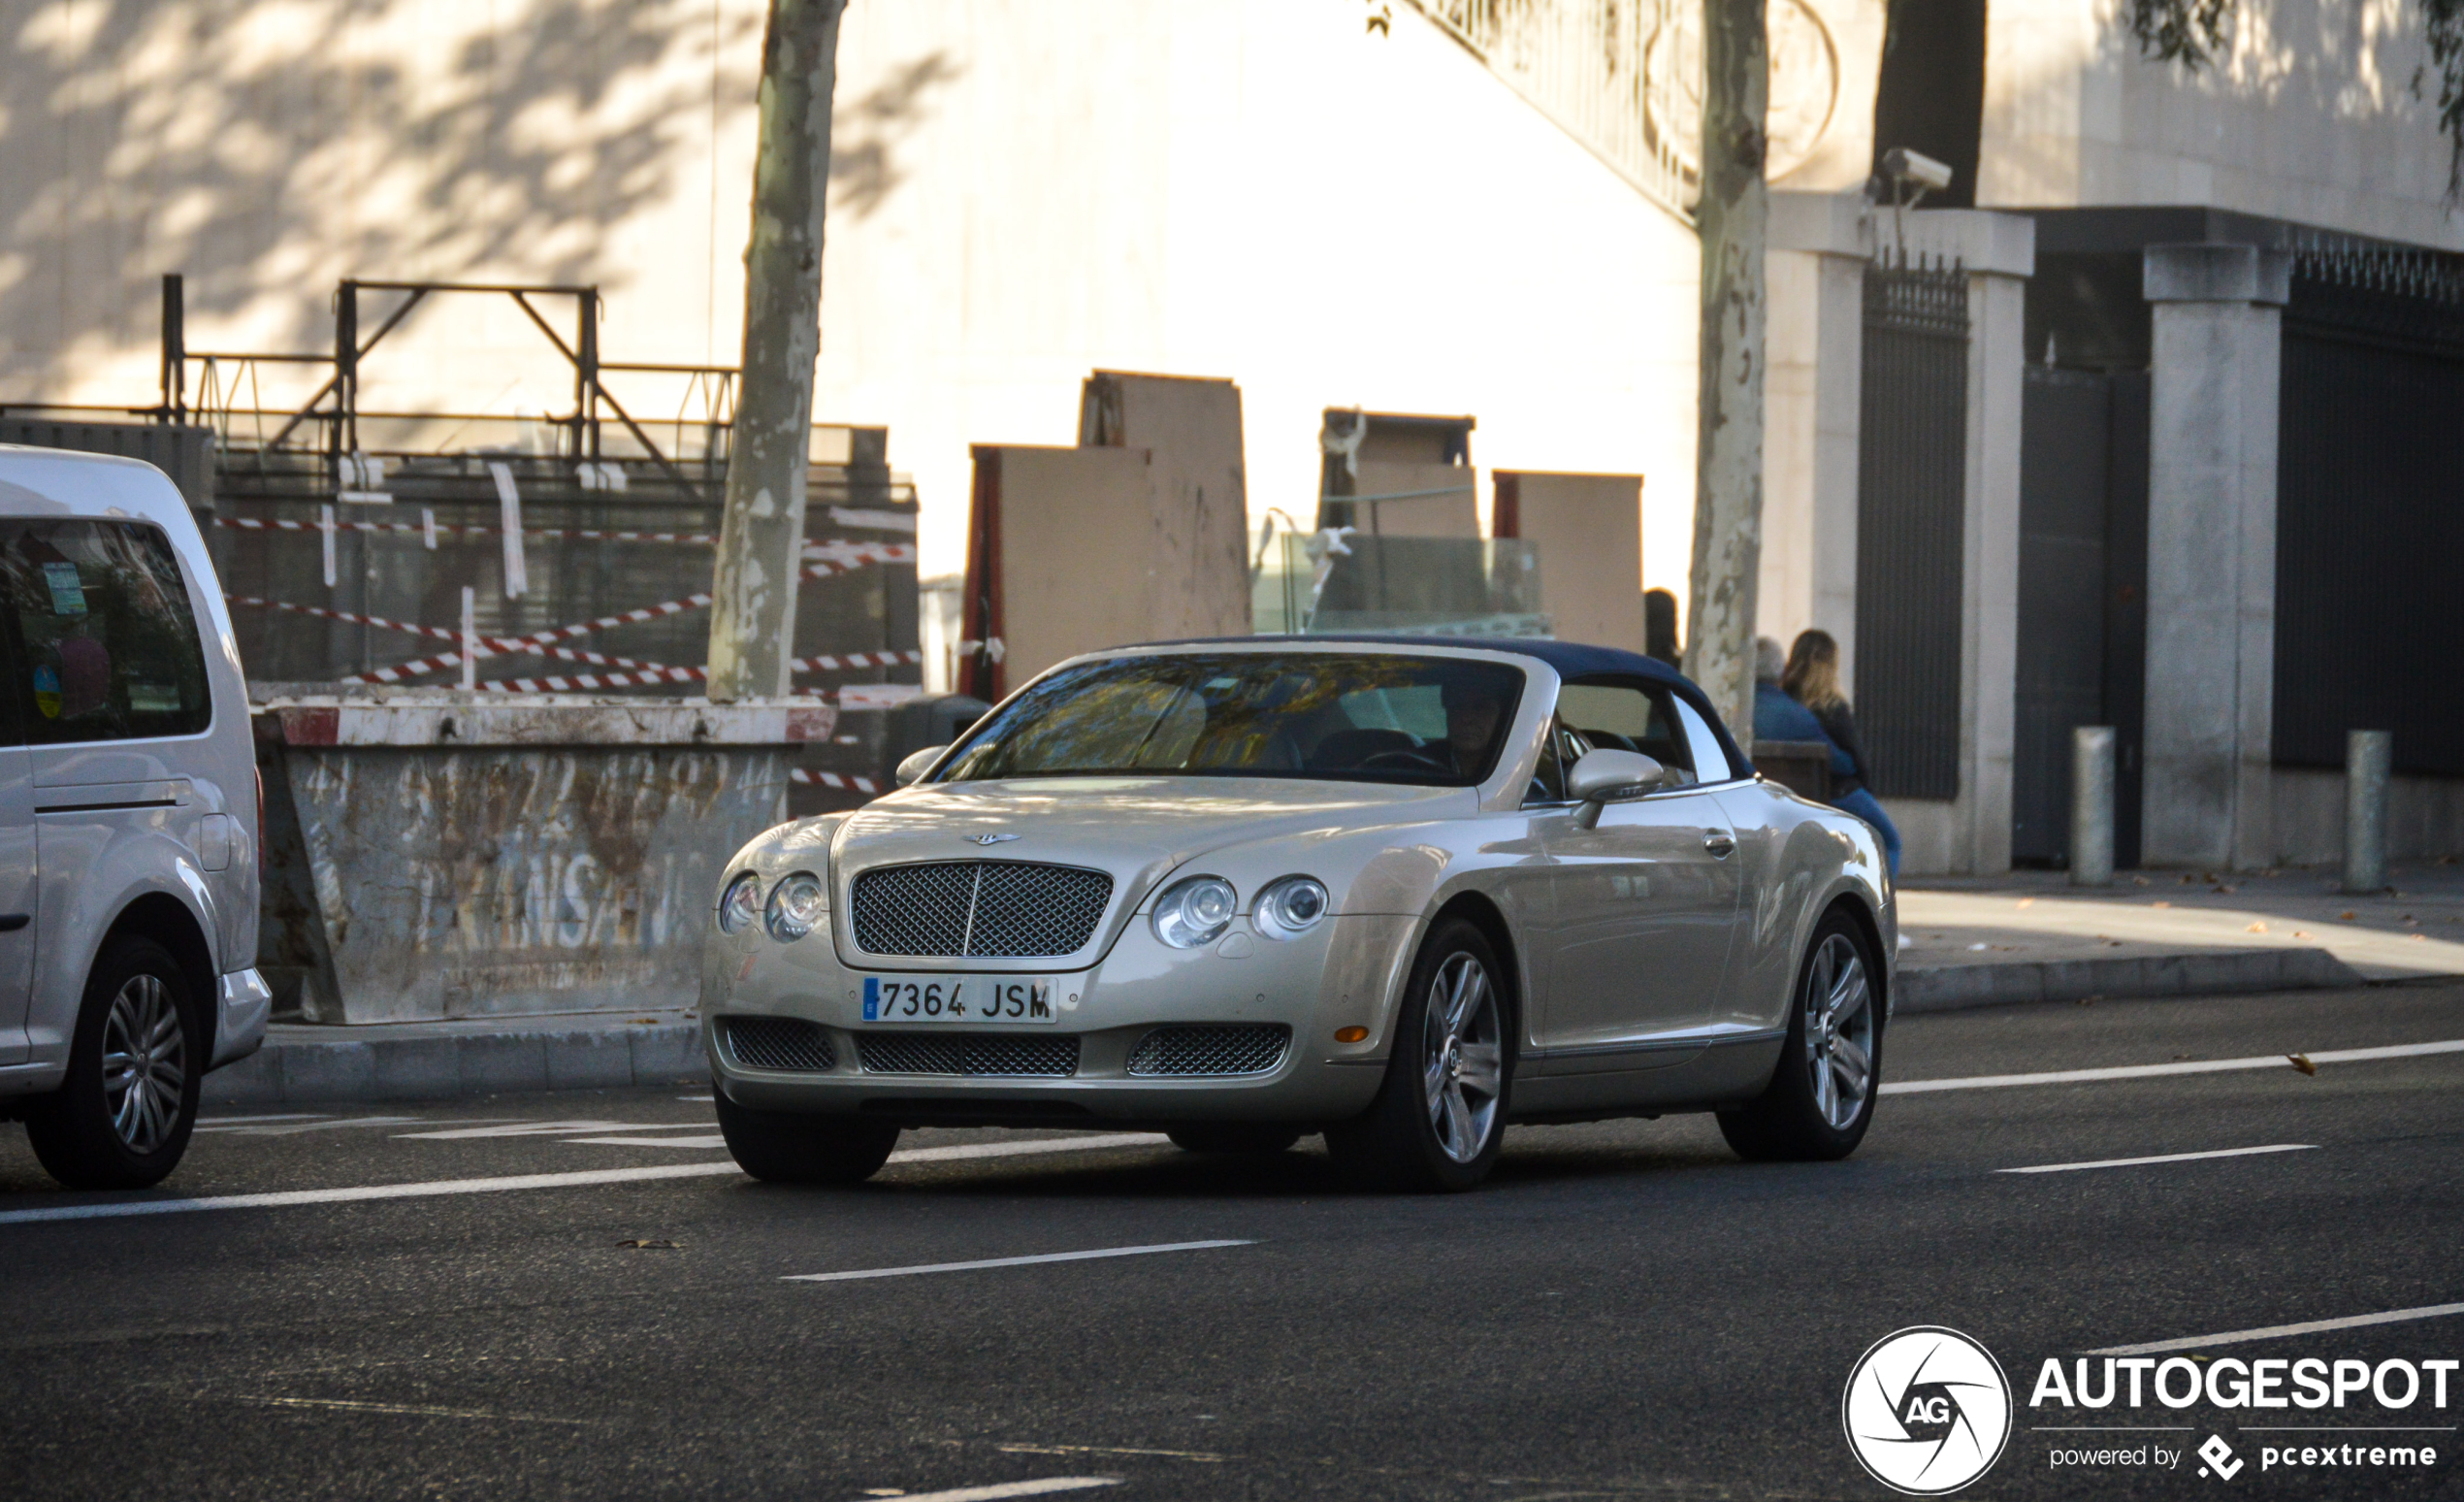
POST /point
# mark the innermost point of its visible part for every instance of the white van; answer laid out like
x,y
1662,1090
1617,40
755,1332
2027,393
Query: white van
x,y
129,811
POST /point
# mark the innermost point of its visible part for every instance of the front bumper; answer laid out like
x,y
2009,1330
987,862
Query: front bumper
x,y
242,1009
1343,974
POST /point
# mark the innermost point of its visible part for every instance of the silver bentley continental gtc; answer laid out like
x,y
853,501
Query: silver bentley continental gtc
x,y
1399,892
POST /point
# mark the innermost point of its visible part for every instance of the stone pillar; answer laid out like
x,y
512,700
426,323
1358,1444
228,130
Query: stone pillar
x,y
1971,834
2216,361
1813,362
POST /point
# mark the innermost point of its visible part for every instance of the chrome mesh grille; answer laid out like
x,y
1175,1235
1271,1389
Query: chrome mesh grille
x,y
779,1043
1005,909
1211,1047
967,1053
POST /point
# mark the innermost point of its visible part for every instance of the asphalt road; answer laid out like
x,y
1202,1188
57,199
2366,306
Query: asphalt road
x,y
1626,1310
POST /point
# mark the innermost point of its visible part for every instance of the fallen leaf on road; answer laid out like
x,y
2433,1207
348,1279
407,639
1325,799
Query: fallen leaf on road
x,y
2160,904
2226,887
2302,1062
2347,917
638,1245
2256,927
2028,902
2422,937
2301,934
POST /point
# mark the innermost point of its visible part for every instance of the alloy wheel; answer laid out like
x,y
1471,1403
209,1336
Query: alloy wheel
x,y
1463,1057
144,1063
1839,1025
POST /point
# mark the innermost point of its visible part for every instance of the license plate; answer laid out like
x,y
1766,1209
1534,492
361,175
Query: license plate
x,y
958,999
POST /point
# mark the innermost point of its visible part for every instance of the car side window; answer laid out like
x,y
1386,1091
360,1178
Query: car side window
x,y
1710,757
106,645
1548,777
1625,717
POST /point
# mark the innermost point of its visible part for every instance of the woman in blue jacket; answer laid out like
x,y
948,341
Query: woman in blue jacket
x,y
1812,679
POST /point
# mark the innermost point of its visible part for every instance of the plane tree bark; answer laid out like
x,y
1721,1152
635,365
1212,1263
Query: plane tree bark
x,y
761,531
1728,473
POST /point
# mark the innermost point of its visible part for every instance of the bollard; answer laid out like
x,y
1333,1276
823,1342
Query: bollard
x,y
2091,805
2367,754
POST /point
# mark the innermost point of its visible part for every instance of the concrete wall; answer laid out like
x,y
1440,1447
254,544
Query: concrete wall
x,y
2310,117
1815,274
2426,817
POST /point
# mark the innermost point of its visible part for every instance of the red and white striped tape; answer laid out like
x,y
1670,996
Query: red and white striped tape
x,y
832,780
830,550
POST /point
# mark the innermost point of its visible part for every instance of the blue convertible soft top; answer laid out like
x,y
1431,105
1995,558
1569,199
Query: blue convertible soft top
x,y
1573,660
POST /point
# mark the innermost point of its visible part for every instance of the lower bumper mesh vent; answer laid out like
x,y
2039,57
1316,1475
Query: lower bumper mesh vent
x,y
779,1043
1211,1047
967,1053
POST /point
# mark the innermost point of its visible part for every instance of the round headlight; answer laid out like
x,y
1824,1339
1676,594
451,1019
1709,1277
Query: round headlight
x,y
740,903
796,906
1195,911
1291,907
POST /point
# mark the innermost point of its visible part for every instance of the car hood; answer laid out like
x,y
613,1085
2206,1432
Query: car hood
x,y
1136,828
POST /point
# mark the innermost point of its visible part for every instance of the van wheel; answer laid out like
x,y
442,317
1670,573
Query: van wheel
x,y
122,1117
789,1147
1440,1117
1243,1141
1821,1097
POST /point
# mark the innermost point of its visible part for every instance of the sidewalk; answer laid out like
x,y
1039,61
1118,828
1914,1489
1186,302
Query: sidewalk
x,y
2029,936
302,1065
2032,937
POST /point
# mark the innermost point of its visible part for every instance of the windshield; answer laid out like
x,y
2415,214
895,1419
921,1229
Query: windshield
x,y
1434,721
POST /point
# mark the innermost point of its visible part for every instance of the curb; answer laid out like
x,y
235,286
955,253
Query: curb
x,y
296,1071
1954,988
292,1070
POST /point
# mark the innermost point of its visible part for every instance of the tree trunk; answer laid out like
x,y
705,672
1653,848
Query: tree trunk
x,y
761,535
1727,478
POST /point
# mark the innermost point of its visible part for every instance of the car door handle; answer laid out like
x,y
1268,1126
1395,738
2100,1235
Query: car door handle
x,y
1719,845
11,923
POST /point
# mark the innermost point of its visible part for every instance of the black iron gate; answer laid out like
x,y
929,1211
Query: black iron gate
x,y
2369,535
2083,504
1911,498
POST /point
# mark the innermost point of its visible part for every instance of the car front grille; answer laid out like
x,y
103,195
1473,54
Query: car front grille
x,y
779,1043
1053,1055
1211,1047
986,909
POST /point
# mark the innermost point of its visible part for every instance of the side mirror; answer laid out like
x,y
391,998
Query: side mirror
x,y
917,763
1604,778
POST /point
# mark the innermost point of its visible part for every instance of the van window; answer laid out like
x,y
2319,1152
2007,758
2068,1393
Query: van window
x,y
107,644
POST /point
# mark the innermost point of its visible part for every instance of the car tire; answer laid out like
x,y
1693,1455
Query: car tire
x,y
1816,1108
122,1117
1238,1140
786,1147
1433,1127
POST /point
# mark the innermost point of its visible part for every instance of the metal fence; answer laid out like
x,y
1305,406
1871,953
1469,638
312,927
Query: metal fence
x,y
1911,485
2368,530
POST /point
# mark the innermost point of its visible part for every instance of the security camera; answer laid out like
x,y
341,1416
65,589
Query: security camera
x,y
1916,169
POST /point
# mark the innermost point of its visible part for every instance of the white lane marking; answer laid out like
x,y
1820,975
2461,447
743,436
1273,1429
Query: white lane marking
x,y
531,1129
2279,1331
204,1122
531,1181
337,1196
703,1099
1024,1489
294,1129
407,1410
2191,1066
2166,1158
947,1155
711,1141
1011,1261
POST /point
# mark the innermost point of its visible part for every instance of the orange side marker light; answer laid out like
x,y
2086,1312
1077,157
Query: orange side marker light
x,y
1351,1034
